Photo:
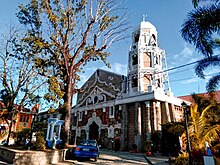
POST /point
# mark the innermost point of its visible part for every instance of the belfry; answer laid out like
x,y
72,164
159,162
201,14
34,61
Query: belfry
x,y
131,107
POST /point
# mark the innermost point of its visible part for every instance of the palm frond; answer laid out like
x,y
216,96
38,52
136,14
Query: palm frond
x,y
210,134
196,2
200,26
213,83
205,63
217,42
200,128
205,111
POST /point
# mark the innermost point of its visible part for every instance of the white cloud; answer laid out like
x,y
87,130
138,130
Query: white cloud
x,y
117,68
186,55
211,71
187,52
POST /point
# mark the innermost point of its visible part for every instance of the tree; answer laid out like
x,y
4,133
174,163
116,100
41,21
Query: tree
x,y
170,137
18,77
201,28
201,129
64,36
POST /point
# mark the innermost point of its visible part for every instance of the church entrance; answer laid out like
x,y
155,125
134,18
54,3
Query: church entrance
x,y
94,131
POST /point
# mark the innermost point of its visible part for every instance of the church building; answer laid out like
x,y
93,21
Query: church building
x,y
133,106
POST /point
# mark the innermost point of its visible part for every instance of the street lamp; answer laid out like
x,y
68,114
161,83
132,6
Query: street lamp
x,y
185,109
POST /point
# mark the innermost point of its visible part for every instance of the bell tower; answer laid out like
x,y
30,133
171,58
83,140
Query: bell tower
x,y
146,62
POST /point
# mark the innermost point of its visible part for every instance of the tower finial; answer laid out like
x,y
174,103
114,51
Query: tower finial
x,y
144,16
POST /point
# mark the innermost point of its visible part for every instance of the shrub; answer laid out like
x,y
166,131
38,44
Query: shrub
x,y
22,135
40,143
182,159
197,154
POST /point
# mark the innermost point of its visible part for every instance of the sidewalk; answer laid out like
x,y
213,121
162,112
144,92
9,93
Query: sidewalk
x,y
153,160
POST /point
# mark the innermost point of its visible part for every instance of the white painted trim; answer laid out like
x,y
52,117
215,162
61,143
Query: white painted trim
x,y
111,112
97,91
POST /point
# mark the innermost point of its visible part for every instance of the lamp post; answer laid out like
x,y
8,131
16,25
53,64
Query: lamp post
x,y
185,109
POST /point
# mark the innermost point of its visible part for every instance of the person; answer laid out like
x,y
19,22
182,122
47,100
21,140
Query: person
x,y
117,143
208,149
209,152
54,141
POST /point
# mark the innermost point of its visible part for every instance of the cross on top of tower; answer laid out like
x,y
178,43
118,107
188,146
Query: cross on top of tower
x,y
144,16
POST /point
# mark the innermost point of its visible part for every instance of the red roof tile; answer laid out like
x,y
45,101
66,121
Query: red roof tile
x,y
190,99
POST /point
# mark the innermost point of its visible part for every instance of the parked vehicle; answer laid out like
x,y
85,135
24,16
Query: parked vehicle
x,y
87,149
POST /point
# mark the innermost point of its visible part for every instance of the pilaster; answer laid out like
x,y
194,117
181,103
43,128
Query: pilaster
x,y
167,112
124,129
137,136
148,119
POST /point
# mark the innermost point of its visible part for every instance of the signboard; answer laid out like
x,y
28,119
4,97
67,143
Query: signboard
x,y
208,160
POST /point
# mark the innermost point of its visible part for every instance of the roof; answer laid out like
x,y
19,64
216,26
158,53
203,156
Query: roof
x,y
190,99
146,24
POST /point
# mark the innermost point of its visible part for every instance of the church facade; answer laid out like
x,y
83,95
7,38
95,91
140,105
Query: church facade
x,y
130,107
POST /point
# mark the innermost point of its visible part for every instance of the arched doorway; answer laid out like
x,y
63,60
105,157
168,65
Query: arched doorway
x,y
94,131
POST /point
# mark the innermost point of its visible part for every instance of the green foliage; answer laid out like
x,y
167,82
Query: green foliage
x,y
22,135
51,110
216,149
73,39
182,159
55,93
3,134
40,143
148,145
170,137
18,76
63,36
40,126
201,128
174,128
201,29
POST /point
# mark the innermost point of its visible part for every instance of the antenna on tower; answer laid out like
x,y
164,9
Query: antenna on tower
x,y
144,16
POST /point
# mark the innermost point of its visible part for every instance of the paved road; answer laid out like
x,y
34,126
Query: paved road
x,y
108,157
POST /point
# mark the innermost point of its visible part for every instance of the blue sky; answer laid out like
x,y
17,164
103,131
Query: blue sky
x,y
167,16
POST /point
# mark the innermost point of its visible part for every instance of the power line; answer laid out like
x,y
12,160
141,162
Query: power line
x,y
167,70
193,77
177,67
181,66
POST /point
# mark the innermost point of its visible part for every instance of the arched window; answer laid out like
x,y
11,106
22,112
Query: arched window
x,y
157,61
135,59
147,59
158,83
154,37
147,81
134,81
136,37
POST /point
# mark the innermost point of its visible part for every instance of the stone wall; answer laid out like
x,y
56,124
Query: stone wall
x,y
18,157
